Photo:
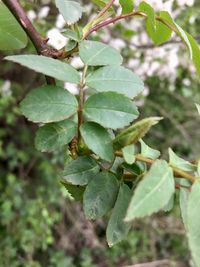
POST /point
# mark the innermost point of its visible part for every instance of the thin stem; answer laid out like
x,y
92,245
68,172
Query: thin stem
x,y
81,99
104,10
178,173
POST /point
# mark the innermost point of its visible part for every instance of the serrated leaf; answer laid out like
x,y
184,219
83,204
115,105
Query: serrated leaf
x,y
100,195
116,79
70,10
127,6
153,192
129,154
52,136
180,163
75,191
135,132
108,107
80,171
117,229
12,35
148,152
157,31
48,66
193,222
95,53
48,104
98,140
198,108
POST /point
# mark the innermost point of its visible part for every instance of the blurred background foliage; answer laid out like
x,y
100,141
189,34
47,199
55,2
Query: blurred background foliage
x,y
40,225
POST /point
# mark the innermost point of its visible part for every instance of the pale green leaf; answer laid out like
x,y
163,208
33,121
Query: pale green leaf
x,y
117,79
49,104
153,192
12,35
135,132
193,222
148,152
98,140
80,171
48,66
95,53
169,205
100,195
117,229
183,200
129,154
72,35
52,136
71,10
180,163
111,110
127,6
198,108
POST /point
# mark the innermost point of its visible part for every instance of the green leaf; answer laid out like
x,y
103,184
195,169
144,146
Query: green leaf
x,y
183,200
157,31
48,66
72,35
193,222
49,104
75,191
148,152
52,136
153,192
12,35
129,154
127,6
98,140
180,163
95,53
135,132
198,167
198,108
117,79
100,195
100,3
169,205
108,107
71,10
80,171
117,229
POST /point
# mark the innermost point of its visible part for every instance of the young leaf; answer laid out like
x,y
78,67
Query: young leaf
x,y
52,136
48,66
111,110
148,152
127,6
135,132
12,35
80,171
193,222
48,104
117,229
129,154
71,10
95,53
100,195
153,192
156,30
98,140
180,163
117,79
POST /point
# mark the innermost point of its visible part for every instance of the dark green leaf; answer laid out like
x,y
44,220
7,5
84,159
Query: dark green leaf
x,y
98,140
71,10
117,229
55,135
75,191
49,104
108,107
153,192
12,35
80,171
100,195
48,66
117,79
135,132
95,53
